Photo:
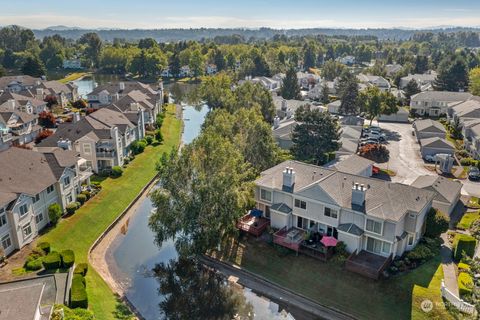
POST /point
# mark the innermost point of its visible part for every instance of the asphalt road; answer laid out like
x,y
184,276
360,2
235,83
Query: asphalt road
x,y
405,158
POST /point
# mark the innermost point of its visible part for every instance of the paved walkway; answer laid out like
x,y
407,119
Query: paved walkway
x,y
449,273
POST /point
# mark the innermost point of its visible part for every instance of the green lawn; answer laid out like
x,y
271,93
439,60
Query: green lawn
x,y
79,231
467,220
72,77
329,284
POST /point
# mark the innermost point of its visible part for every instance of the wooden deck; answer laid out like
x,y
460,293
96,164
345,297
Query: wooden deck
x,y
317,251
291,238
367,264
253,225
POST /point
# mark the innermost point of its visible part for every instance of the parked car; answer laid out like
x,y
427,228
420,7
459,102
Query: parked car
x,y
376,140
367,142
430,157
473,173
374,135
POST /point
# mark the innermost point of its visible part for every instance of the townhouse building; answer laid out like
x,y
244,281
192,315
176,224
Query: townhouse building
x,y
436,103
30,181
16,127
379,217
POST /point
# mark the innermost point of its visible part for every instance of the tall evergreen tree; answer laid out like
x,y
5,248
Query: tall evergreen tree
x,y
348,92
309,58
290,88
325,94
219,60
452,75
34,67
411,89
421,64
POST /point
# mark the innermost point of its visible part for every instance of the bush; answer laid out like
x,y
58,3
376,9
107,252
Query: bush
x,y
159,136
437,223
52,261
72,207
81,268
420,253
149,139
117,171
138,147
78,296
464,243
87,194
375,152
34,265
467,161
68,258
465,284
81,198
463,266
71,314
54,213
44,246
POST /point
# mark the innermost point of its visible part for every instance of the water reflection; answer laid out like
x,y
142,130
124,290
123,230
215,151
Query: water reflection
x,y
191,291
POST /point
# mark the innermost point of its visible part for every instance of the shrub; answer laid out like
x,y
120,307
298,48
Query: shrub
x,y
464,243
467,161
68,258
54,213
465,284
420,253
42,135
87,194
34,265
117,171
71,314
52,261
463,266
149,139
159,136
81,198
138,147
72,207
78,297
81,268
44,246
375,152
437,223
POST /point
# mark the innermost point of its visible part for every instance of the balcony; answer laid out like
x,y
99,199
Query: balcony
x,y
6,137
253,224
106,153
291,238
85,173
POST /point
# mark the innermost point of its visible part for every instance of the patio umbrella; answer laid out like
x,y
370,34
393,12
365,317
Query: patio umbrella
x,y
329,241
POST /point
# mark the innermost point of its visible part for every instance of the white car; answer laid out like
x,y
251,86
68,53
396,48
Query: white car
x,y
430,157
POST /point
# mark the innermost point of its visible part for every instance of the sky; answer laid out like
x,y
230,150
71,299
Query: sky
x,y
279,14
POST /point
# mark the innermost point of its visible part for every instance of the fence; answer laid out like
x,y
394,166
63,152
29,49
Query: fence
x,y
456,301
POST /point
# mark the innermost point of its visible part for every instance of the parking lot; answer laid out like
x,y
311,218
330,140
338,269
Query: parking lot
x,y
405,159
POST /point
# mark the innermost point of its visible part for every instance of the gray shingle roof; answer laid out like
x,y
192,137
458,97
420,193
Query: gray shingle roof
x,y
385,200
445,190
429,125
281,207
436,142
351,228
20,303
441,96
22,79
353,164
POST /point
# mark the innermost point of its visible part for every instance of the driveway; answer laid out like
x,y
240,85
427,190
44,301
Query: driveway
x,y
405,157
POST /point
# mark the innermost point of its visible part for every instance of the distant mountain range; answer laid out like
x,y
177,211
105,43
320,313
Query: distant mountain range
x,y
170,35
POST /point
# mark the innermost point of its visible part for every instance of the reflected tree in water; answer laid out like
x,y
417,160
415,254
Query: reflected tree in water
x,y
192,291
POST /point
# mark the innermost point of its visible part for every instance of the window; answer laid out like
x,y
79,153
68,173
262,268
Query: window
x,y
27,230
50,189
66,181
410,239
87,148
267,212
374,226
300,204
265,195
69,197
36,198
302,223
3,217
6,242
330,213
386,247
23,209
39,218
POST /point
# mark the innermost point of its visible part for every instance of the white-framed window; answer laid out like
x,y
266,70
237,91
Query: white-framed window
x,y
39,218
332,213
411,238
302,223
6,241
300,204
3,217
66,181
378,246
23,209
69,197
87,148
50,189
373,226
27,230
36,198
265,195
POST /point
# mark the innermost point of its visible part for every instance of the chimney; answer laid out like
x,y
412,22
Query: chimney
x,y
358,194
288,177
276,122
121,86
289,113
65,144
134,106
284,105
11,104
160,86
75,117
39,94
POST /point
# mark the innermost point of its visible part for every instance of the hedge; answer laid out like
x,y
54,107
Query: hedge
x,y
52,261
464,243
463,266
81,268
72,207
68,258
78,293
34,265
86,193
45,246
465,284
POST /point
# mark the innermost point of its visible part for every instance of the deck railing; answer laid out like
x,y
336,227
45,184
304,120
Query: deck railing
x,y
365,270
280,237
253,225
456,301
